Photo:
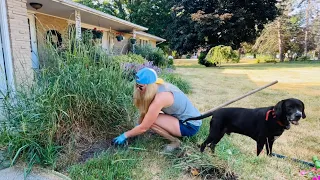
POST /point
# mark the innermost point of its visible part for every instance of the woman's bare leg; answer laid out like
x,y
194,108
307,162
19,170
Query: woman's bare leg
x,y
168,127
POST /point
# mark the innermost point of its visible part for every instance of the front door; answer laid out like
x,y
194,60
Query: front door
x,y
3,79
33,41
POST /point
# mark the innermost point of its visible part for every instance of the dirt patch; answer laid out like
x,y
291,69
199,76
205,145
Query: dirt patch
x,y
95,149
99,147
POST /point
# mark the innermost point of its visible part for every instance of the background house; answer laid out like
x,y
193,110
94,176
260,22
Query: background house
x,y
26,24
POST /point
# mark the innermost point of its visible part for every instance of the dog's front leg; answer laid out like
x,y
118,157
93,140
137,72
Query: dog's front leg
x,y
260,144
269,144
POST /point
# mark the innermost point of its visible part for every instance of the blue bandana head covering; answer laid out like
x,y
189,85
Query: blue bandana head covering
x,y
146,76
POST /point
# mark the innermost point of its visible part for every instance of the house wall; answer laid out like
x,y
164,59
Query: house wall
x,y
153,43
141,40
20,41
47,22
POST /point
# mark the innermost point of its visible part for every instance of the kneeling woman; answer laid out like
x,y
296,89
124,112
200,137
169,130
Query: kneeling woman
x,y
151,96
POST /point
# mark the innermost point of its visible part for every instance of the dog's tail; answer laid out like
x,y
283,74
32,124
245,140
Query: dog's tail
x,y
199,117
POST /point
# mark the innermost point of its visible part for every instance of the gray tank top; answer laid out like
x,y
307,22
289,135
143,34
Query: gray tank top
x,y
182,108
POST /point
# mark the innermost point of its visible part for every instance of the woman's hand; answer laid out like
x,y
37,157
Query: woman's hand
x,y
120,139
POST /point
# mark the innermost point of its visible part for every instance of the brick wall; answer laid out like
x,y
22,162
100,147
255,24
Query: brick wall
x,y
20,40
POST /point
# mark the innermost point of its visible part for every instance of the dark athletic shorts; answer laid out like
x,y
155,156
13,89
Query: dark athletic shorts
x,y
188,129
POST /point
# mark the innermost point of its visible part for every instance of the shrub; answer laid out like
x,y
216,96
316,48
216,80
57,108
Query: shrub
x,y
265,58
135,58
222,53
303,58
202,60
156,55
176,80
270,61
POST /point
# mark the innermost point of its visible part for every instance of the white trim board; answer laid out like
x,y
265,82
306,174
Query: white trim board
x,y
6,47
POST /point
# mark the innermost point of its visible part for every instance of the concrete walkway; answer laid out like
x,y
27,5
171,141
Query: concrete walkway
x,y
17,173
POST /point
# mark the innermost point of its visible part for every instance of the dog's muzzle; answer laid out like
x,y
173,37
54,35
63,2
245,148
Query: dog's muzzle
x,y
295,117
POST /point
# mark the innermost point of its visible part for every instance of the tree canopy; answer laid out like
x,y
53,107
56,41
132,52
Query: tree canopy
x,y
190,24
210,23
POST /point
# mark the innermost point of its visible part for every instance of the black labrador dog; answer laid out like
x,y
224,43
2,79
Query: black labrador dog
x,y
263,124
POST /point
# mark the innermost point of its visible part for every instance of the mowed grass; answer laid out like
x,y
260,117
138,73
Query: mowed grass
x,y
211,87
214,86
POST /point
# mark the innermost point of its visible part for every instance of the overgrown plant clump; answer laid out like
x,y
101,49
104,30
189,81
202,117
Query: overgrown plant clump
x,y
79,95
219,54
156,55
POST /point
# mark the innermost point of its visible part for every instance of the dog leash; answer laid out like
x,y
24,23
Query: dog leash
x,y
294,159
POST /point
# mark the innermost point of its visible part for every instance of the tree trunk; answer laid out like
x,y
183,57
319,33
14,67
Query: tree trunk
x,y
280,40
306,29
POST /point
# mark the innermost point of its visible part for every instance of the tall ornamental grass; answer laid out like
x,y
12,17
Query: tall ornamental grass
x,y
79,95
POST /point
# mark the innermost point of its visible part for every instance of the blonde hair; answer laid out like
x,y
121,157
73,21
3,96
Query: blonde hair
x,y
143,100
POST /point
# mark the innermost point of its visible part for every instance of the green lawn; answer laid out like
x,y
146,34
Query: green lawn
x,y
236,153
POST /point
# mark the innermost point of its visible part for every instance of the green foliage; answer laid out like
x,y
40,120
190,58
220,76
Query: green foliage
x,y
247,47
109,165
176,80
219,54
134,58
202,60
211,23
116,8
156,55
265,58
304,58
79,94
152,14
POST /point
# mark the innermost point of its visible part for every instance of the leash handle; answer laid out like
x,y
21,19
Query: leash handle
x,y
241,97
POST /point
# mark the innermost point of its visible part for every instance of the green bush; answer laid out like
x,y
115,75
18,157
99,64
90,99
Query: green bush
x,y
265,58
303,58
176,80
270,61
202,60
134,58
156,55
219,54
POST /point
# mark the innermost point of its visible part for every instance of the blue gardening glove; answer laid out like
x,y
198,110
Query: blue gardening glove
x,y
120,139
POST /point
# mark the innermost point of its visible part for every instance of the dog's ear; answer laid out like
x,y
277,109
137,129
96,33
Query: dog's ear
x,y
278,108
303,113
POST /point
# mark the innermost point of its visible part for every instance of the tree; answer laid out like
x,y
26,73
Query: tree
x,y
154,14
116,7
210,23
219,54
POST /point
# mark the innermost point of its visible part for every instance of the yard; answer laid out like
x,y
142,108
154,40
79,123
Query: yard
x,y
235,153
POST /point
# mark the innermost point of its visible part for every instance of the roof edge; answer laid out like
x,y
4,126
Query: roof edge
x,y
99,13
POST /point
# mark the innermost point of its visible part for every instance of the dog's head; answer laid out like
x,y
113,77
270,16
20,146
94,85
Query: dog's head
x,y
290,111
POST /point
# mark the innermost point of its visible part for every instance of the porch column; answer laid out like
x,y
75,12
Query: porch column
x,y
78,24
134,36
